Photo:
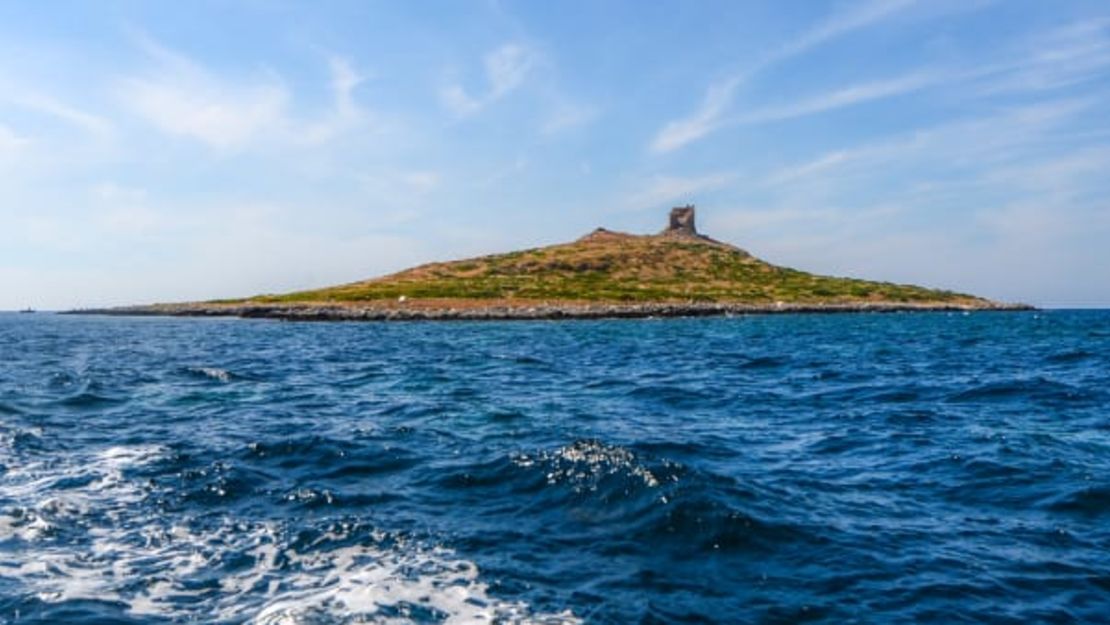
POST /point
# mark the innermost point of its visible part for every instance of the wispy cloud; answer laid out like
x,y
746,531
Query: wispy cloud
x,y
1064,56
1062,175
1016,194
705,120
861,16
847,96
719,95
988,139
181,97
47,105
346,113
506,69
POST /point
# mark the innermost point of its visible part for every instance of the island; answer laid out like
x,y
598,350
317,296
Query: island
x,y
605,274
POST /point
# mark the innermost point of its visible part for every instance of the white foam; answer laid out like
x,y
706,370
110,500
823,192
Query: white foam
x,y
346,574
41,505
223,375
584,463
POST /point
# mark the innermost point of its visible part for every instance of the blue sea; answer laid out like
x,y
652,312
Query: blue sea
x,y
847,468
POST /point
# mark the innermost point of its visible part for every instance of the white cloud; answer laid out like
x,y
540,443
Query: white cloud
x,y
1062,57
709,118
719,95
1062,175
347,113
33,100
1013,195
195,105
180,97
344,79
847,96
706,119
506,69
861,16
979,141
455,99
93,124
856,94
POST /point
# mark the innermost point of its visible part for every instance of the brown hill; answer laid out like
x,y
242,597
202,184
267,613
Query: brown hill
x,y
676,266
603,274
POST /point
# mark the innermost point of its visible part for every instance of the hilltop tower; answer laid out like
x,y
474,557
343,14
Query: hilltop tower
x,y
682,221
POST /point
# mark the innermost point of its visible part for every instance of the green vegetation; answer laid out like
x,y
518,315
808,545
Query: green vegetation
x,y
613,267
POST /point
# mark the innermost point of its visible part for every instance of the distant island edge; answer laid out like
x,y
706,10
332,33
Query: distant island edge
x,y
604,275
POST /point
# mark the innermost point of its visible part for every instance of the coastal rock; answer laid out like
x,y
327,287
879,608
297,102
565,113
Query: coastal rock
x,y
503,312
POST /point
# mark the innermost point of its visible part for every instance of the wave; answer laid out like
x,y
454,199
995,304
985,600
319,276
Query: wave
x,y
90,400
266,574
878,393
119,559
319,457
1033,389
659,503
1070,356
299,451
47,498
586,465
212,373
14,440
1088,501
670,396
592,481
766,362
418,473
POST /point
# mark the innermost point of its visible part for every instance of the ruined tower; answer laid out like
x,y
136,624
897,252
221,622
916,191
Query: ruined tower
x,y
682,221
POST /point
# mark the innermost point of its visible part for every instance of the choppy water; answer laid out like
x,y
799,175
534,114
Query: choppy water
x,y
938,468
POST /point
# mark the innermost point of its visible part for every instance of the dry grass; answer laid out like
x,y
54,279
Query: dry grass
x,y
614,267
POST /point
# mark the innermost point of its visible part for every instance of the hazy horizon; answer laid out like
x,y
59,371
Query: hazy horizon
x,y
154,152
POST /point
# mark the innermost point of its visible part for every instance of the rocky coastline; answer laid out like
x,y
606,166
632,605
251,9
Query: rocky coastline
x,y
522,311
678,272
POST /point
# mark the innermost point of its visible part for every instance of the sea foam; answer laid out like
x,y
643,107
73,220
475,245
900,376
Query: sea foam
x,y
92,542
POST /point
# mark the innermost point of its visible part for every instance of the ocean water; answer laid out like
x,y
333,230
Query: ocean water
x,y
900,468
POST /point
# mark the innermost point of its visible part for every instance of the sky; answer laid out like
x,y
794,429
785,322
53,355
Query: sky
x,y
158,151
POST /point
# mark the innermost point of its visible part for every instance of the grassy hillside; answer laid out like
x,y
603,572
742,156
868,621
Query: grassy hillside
x,y
614,267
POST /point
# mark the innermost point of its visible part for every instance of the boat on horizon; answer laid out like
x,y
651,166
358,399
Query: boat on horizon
x,y
27,311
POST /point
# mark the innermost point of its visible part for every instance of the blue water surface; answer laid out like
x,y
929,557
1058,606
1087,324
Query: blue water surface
x,y
897,468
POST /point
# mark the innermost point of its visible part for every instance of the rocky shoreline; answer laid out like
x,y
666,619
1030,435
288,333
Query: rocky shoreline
x,y
521,311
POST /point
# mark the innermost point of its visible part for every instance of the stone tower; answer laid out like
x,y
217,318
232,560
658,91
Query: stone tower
x,y
682,221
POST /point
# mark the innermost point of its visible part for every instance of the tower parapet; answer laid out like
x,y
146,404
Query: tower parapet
x,y
682,221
